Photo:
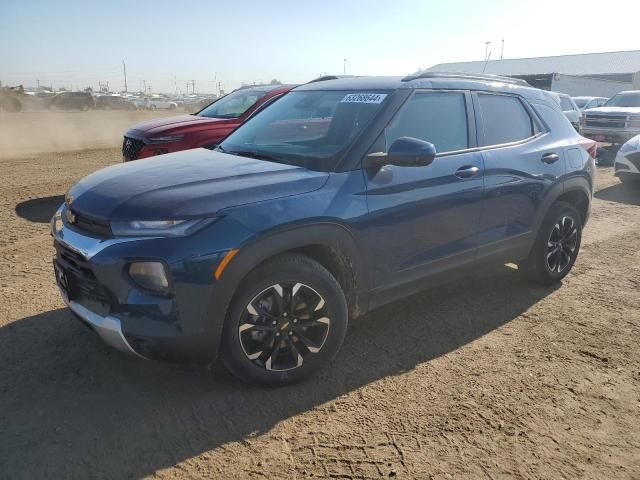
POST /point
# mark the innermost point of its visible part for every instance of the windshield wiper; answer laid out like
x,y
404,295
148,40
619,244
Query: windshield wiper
x,y
254,154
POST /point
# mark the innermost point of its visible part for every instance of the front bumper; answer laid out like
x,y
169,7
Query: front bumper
x,y
624,166
609,135
184,324
108,328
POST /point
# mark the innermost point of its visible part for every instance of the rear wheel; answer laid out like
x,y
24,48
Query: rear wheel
x,y
556,247
288,318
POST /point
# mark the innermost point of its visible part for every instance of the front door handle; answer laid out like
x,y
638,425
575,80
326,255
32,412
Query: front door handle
x,y
467,171
550,158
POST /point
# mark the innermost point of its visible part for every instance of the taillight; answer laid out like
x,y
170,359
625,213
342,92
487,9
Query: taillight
x,y
591,146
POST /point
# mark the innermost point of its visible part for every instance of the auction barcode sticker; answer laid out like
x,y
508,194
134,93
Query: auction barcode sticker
x,y
363,98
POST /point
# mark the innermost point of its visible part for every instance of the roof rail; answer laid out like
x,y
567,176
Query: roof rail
x,y
466,76
331,77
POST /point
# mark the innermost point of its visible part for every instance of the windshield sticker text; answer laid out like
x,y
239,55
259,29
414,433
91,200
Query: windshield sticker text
x,y
363,98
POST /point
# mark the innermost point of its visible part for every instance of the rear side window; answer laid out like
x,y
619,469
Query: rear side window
x,y
436,117
504,119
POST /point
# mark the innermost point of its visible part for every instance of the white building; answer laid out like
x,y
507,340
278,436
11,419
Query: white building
x,y
595,74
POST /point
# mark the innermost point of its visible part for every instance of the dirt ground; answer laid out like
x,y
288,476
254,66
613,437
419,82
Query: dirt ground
x,y
490,377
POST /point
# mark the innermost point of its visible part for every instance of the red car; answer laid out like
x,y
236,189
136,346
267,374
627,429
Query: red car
x,y
203,129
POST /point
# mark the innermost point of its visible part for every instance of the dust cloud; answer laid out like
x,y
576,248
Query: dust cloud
x,y
27,133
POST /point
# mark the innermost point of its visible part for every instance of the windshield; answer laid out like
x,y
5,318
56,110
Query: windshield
x,y
233,105
581,102
306,128
624,100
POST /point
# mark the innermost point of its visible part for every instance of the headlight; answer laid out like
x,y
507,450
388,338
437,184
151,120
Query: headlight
x,y
56,222
161,228
630,146
150,275
166,138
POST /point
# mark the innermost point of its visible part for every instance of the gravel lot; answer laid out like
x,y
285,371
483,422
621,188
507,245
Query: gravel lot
x,y
487,378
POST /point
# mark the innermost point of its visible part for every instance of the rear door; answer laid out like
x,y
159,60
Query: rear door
x,y
424,220
522,162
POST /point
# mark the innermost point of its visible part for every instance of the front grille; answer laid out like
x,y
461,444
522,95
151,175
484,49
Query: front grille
x,y
606,121
91,225
635,159
83,282
131,148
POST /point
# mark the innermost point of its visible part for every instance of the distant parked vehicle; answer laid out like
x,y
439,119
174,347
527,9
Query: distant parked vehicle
x,y
627,163
72,101
585,103
157,103
202,129
113,102
570,110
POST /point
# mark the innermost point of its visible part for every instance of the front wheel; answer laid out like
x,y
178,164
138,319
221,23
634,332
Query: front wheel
x,y
288,318
556,247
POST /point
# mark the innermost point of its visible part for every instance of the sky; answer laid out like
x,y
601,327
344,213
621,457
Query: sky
x,y
75,44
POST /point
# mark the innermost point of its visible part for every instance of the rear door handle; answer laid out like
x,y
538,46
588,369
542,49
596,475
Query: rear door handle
x,y
467,171
550,158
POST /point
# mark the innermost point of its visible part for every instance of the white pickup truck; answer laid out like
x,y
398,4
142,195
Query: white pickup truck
x,y
615,122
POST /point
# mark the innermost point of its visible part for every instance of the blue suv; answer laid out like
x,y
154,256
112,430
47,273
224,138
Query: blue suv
x,y
341,196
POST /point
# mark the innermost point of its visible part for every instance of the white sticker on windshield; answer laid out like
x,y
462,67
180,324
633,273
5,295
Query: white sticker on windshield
x,y
363,98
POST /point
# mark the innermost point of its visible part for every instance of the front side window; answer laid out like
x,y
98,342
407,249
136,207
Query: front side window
x,y
306,128
504,119
436,117
233,105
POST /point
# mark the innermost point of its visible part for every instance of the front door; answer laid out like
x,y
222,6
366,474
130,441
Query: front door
x,y
424,220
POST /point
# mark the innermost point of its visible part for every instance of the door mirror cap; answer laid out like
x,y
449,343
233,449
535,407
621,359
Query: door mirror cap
x,y
406,152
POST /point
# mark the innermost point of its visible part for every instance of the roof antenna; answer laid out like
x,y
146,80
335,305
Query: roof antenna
x,y
485,62
486,50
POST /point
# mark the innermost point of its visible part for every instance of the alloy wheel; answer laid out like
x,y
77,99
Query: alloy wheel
x,y
282,325
561,245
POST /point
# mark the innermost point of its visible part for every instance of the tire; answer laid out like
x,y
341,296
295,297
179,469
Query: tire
x,y
261,325
560,232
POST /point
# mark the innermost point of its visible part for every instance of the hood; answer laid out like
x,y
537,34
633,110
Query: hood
x,y
614,110
188,184
173,124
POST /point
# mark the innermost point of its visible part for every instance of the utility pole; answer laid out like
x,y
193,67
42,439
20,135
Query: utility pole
x,y
344,67
124,71
38,82
187,84
502,50
215,83
193,86
144,86
486,50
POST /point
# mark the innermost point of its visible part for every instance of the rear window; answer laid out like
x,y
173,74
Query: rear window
x,y
504,119
582,102
565,104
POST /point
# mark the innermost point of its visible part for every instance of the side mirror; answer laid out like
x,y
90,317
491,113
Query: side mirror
x,y
405,152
